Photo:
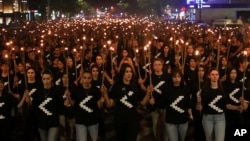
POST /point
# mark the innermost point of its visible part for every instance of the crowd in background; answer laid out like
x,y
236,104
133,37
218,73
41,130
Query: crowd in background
x,y
70,72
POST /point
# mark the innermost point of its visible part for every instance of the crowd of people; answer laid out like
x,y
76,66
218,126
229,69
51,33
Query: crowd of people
x,y
68,73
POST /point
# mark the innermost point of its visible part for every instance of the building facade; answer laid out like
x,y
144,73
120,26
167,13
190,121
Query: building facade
x,y
12,11
209,10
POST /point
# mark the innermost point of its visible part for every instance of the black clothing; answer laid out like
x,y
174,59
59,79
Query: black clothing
x,y
47,104
177,104
126,117
213,100
86,105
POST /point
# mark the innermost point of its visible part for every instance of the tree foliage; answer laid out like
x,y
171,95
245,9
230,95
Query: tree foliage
x,y
65,6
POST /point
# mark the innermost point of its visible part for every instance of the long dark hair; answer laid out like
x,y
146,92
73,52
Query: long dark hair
x,y
38,78
228,73
173,74
122,72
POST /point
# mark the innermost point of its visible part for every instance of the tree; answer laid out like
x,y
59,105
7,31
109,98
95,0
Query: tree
x,y
146,6
123,6
39,5
67,7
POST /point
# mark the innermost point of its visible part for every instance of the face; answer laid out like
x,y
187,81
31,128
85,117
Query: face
x,y
125,53
86,79
192,63
128,74
214,76
32,55
224,61
31,74
94,72
190,49
4,67
157,66
160,44
233,39
60,65
201,72
27,65
176,79
99,60
65,79
233,74
57,51
166,49
47,79
69,62
55,62
223,48
20,67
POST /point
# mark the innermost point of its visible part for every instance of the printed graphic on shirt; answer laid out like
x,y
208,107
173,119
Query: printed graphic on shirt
x,y
5,83
175,103
156,87
231,95
1,105
124,99
243,79
58,81
43,104
31,92
146,67
78,66
213,102
167,62
157,55
82,104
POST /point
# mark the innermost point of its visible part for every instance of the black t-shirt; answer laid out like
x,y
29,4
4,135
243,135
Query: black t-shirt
x,y
127,98
67,110
160,83
47,105
7,102
233,92
177,104
213,100
87,111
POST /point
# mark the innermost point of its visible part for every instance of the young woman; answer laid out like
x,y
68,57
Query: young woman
x,y
67,114
234,107
198,134
33,87
167,56
190,72
47,105
212,103
125,96
88,100
7,102
96,76
178,108
97,82
159,82
222,69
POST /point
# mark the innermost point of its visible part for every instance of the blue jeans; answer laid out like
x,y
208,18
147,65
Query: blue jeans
x,y
49,135
214,124
81,132
174,130
158,118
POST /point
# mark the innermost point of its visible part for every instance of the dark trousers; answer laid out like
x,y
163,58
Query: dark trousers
x,y
198,134
126,131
